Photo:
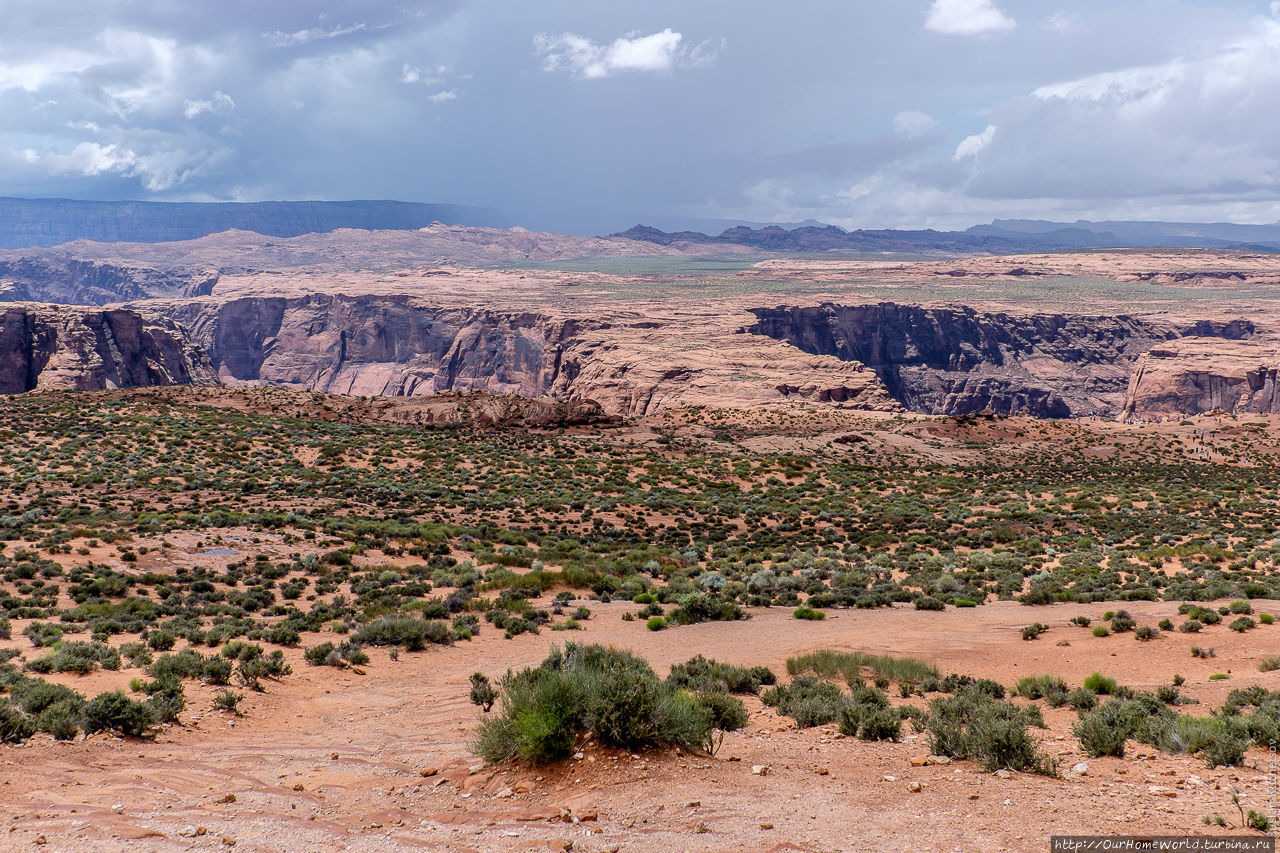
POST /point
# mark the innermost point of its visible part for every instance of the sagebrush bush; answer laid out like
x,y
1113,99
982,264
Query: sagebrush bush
x,y
1105,730
972,724
611,694
408,631
702,674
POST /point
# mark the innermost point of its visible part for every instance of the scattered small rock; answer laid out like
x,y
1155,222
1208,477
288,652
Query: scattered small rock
x,y
1081,769
1004,774
761,769
226,798
428,772
766,826
118,808
915,787
937,759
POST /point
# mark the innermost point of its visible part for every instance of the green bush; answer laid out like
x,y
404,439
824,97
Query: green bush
x,y
1244,623
971,724
1101,631
117,712
700,674
15,726
611,694
656,623
1101,684
1033,631
809,614
1039,686
410,632
1105,730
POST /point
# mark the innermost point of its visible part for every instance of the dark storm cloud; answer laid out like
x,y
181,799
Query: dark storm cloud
x,y
591,116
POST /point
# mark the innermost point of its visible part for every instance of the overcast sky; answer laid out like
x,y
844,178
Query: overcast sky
x,y
590,116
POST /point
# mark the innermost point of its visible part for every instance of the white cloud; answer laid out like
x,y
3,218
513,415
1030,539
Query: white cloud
x,y
297,37
426,76
912,123
970,146
583,58
967,18
441,97
218,102
1064,23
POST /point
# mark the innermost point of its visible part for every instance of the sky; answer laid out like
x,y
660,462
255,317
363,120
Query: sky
x,y
588,117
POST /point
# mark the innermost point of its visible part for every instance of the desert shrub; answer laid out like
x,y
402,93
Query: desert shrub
x,y
1244,623
1082,699
412,633
1101,631
77,657
117,712
162,641
1146,632
15,726
252,670
62,719
1165,625
849,665
610,694
810,701
656,623
228,700
1264,618
137,654
483,692
868,715
929,603
809,614
1191,626
971,724
1101,684
700,674
1105,730
1039,686
701,607
1034,630
1269,663
1082,621
216,670
727,712
319,655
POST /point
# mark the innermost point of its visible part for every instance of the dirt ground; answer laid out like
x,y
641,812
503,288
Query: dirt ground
x,y
335,760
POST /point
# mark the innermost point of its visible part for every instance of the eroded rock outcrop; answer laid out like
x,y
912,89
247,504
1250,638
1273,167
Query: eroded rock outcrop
x,y
61,277
62,347
957,360
1194,376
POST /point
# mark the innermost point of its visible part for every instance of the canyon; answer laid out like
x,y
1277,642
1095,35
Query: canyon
x,y
638,328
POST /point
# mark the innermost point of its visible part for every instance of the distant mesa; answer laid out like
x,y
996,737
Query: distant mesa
x,y
26,223
1000,237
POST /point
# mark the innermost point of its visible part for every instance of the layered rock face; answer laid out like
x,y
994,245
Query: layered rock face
x,y
68,280
58,347
1194,376
384,345
957,361
378,345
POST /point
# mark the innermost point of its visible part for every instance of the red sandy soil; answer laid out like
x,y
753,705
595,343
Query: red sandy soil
x,y
336,760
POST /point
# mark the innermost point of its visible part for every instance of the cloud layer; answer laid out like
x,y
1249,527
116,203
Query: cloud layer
x,y
587,116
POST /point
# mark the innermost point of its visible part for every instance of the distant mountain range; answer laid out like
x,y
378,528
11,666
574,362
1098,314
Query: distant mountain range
x,y
28,223
1004,236
51,221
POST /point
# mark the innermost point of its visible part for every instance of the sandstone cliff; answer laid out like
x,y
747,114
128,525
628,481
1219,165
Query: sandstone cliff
x,y
958,360
63,278
1194,376
59,347
632,365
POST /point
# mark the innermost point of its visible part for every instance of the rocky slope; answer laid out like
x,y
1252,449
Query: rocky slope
x,y
1194,376
958,360
58,347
